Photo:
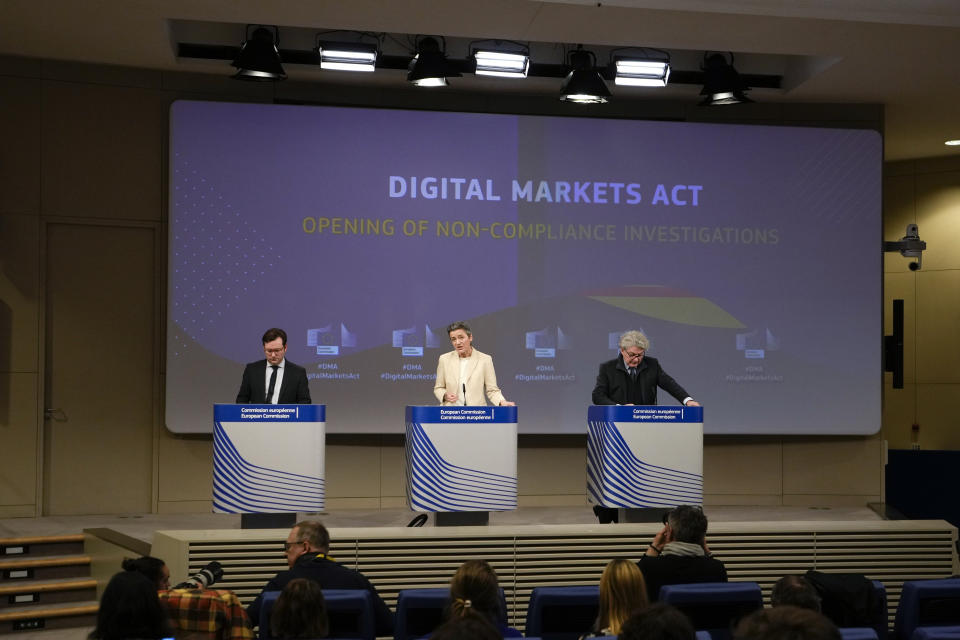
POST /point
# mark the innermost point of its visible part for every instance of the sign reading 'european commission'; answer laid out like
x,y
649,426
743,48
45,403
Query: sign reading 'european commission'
x,y
268,458
461,458
644,456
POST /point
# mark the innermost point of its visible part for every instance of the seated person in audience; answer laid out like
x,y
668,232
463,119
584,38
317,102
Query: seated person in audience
x,y
300,611
622,593
474,588
207,614
129,608
214,614
795,591
786,623
658,622
470,626
679,553
307,548
154,569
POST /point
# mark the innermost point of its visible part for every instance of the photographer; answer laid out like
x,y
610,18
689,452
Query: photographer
x,y
679,553
195,610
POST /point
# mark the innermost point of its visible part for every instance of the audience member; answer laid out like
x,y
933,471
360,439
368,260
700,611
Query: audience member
x,y
207,614
307,548
470,626
786,623
300,611
474,588
658,622
622,592
154,569
130,608
795,591
679,553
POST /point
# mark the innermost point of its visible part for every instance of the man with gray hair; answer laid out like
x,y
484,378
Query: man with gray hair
x,y
633,377
679,553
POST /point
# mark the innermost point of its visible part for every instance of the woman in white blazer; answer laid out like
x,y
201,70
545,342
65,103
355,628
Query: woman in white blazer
x,y
464,374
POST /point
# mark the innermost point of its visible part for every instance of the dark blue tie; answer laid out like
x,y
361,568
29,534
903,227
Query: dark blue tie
x,y
273,383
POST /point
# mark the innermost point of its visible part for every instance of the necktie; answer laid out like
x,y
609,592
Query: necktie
x,y
633,373
273,383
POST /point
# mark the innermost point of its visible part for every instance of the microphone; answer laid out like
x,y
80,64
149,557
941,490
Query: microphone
x,y
464,385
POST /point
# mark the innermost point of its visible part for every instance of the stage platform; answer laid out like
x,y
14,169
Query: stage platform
x,y
142,527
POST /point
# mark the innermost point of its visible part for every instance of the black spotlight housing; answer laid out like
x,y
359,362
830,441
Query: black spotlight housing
x,y
259,58
429,67
584,85
722,83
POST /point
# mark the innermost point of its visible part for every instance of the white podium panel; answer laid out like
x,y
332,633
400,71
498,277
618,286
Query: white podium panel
x,y
268,458
461,458
644,456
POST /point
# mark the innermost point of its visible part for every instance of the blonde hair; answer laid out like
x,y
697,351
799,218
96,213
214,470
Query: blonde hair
x,y
622,592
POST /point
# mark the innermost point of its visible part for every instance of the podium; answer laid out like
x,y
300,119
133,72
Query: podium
x,y
644,456
268,459
461,462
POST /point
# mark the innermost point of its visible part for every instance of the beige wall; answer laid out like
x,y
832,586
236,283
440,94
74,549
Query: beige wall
x,y
925,192
88,145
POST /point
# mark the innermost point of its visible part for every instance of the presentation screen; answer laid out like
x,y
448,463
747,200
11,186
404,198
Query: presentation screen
x,y
749,255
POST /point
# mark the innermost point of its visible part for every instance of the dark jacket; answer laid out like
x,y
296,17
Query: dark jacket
x,y
615,386
330,575
293,390
660,570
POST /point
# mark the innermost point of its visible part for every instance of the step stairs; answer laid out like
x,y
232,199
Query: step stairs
x,y
45,583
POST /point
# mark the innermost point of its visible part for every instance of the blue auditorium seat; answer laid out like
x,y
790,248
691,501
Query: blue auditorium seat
x,y
951,632
927,603
419,612
714,607
562,613
349,611
858,633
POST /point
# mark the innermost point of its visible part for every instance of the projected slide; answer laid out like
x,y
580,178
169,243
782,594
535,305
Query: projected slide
x,y
749,255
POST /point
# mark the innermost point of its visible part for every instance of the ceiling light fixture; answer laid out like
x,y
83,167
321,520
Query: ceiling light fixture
x,y
496,61
952,143
722,84
651,68
259,58
583,85
429,67
339,56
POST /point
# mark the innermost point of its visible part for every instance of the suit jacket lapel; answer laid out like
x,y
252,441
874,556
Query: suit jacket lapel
x,y
471,365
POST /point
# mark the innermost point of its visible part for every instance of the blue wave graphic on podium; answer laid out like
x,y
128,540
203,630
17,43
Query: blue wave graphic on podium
x,y
242,487
433,484
616,477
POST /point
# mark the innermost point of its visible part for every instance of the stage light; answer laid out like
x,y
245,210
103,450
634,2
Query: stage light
x,y
583,84
340,56
259,58
952,143
503,64
639,72
429,68
722,84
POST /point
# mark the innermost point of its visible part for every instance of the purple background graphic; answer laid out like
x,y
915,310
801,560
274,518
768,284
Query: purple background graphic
x,y
246,176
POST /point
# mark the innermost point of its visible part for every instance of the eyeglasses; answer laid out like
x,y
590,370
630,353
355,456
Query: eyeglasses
x,y
289,545
634,356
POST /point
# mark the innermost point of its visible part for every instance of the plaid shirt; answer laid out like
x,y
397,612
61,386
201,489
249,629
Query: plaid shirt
x,y
211,613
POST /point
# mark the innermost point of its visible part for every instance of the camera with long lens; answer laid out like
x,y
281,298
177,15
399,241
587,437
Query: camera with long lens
x,y
203,578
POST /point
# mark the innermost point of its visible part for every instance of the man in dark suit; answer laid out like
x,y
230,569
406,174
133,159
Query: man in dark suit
x,y
632,378
307,548
274,380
